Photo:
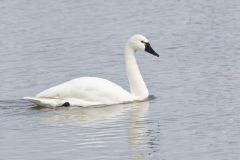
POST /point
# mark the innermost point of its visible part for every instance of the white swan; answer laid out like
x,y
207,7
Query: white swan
x,y
88,91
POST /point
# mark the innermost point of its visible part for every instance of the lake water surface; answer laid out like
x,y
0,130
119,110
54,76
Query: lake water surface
x,y
195,114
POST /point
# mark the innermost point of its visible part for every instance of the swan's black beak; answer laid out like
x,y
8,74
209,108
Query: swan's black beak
x,y
149,49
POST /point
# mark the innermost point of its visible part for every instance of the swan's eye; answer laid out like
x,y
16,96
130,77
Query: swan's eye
x,y
143,42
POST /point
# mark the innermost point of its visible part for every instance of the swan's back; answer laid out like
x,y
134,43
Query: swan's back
x,y
91,89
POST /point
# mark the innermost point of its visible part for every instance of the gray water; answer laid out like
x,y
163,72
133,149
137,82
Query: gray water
x,y
195,82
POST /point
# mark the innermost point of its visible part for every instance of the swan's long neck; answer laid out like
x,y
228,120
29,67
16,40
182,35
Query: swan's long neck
x,y
137,85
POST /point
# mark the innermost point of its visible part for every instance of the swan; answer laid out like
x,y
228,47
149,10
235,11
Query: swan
x,y
89,91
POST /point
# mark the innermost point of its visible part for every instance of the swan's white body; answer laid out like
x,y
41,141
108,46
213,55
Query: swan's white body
x,y
88,91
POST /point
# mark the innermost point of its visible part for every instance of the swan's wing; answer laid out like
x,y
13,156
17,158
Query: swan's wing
x,y
89,90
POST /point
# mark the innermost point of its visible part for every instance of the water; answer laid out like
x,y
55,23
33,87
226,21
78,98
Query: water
x,y
195,114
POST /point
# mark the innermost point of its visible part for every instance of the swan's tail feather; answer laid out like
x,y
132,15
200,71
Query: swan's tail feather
x,y
56,102
44,102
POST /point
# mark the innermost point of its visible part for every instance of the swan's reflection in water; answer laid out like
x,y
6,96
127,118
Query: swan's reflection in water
x,y
133,114
87,116
138,132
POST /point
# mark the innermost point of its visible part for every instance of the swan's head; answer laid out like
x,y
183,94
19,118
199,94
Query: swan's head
x,y
139,42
